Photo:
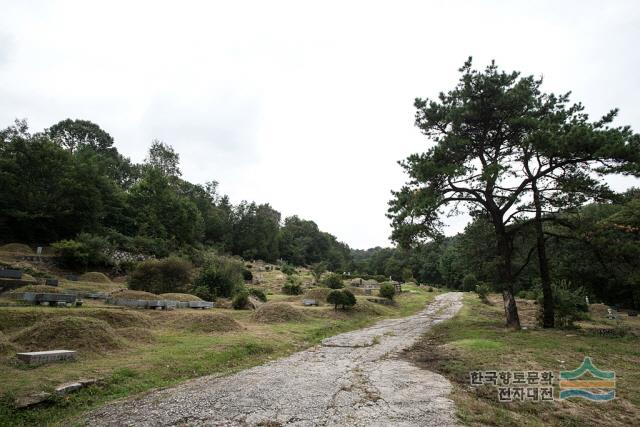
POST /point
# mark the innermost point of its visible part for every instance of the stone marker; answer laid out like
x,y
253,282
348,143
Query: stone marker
x,y
67,388
39,357
32,400
52,282
611,314
10,274
310,302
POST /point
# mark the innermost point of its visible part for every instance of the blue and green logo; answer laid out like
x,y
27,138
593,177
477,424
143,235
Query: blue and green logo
x,y
600,386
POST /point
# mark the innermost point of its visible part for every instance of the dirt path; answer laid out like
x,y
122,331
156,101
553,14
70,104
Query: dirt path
x,y
352,379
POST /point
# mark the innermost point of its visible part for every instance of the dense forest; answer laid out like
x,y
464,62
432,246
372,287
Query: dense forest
x,y
69,186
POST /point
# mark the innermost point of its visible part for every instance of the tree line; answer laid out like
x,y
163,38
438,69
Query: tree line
x,y
70,184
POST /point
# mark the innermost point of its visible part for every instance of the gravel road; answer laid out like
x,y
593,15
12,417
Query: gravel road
x,y
352,379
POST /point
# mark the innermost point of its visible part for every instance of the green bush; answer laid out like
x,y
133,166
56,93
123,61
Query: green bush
x,y
247,275
221,277
334,281
258,293
288,269
240,300
429,289
291,288
336,298
387,290
469,282
84,251
169,275
483,289
345,298
569,304
349,298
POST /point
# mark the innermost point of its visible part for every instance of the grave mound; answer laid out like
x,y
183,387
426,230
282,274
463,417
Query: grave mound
x,y
136,334
16,248
122,318
44,289
180,297
95,277
319,294
201,321
277,312
84,334
129,294
370,308
6,348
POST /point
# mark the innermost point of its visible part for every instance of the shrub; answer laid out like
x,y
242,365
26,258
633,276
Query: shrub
x,y
387,290
483,289
161,276
288,269
429,289
221,277
345,298
334,281
258,293
240,300
349,298
469,282
84,251
247,275
336,298
569,304
291,288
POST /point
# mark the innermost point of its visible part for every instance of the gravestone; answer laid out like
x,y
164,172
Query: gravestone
x,y
10,274
52,282
55,298
40,357
611,314
310,302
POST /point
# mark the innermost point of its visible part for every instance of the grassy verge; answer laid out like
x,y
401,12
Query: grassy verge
x,y
172,356
475,340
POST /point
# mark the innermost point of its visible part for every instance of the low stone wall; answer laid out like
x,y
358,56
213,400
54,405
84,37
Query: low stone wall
x,y
159,304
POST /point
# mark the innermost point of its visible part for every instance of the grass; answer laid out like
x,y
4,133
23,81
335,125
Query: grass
x,y
476,340
169,353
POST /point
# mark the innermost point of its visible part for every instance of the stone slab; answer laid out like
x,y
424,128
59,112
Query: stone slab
x,y
40,357
67,298
32,400
67,388
10,274
200,304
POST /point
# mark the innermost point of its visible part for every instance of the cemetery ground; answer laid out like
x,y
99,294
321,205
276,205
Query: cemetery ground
x,y
476,340
131,351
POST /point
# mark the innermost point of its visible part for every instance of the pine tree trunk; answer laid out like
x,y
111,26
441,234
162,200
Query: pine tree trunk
x,y
548,310
506,279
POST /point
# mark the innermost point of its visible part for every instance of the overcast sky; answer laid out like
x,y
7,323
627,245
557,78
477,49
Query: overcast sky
x,y
304,105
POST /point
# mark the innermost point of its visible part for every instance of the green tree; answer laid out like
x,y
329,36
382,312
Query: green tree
x,y
334,281
387,290
336,298
75,134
